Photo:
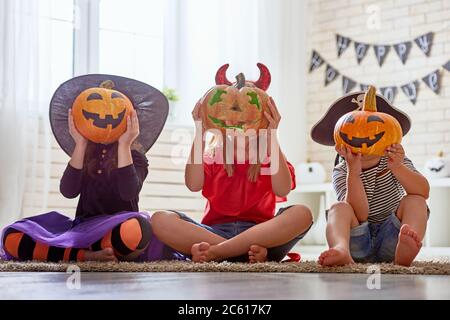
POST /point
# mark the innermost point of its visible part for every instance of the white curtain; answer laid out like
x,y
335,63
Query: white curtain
x,y
206,34
20,104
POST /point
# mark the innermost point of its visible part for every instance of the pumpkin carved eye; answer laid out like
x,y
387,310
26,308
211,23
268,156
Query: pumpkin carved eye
x,y
116,95
94,96
350,119
373,118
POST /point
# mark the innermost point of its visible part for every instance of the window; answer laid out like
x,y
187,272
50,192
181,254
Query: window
x,y
128,38
56,21
131,39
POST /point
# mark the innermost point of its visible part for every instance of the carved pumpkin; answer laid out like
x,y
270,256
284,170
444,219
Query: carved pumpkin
x,y
100,114
236,106
368,131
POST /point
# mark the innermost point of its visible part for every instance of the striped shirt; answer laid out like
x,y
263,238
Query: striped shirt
x,y
384,192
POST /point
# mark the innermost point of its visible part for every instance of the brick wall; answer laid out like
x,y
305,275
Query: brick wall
x,y
400,20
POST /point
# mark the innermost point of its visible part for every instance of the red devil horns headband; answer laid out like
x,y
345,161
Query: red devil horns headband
x,y
263,82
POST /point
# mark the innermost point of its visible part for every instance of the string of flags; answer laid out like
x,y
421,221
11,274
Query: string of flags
x,y
424,42
411,89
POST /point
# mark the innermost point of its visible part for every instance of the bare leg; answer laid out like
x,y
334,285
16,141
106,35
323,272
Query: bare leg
x,y
271,233
412,212
179,234
341,219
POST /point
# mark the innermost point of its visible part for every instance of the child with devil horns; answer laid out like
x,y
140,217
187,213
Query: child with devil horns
x,y
239,222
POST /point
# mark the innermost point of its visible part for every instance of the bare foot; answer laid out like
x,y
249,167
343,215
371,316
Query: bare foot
x,y
336,256
408,246
106,254
257,254
200,252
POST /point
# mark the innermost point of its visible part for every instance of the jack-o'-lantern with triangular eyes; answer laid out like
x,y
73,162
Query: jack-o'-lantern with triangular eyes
x,y
367,131
239,105
100,114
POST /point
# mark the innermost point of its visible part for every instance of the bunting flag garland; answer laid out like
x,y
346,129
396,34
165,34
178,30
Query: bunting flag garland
x,y
433,81
410,90
364,87
361,50
381,53
389,93
342,44
347,84
424,43
447,66
402,50
330,74
316,61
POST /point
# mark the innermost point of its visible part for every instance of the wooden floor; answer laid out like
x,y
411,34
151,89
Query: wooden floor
x,y
207,286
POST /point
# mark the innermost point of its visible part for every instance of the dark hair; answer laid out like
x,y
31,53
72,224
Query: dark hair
x,y
91,161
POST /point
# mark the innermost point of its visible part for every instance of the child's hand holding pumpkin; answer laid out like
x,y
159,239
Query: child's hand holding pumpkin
x,y
353,160
74,133
273,117
196,116
395,154
132,131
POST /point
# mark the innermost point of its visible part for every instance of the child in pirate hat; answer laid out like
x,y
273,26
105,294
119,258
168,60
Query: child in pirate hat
x,y
381,214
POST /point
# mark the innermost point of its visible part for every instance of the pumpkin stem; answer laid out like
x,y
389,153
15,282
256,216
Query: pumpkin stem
x,y
107,84
370,100
240,81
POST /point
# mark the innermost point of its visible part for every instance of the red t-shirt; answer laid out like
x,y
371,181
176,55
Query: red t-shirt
x,y
235,198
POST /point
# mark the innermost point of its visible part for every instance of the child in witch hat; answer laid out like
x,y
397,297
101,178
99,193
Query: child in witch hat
x,y
381,214
107,177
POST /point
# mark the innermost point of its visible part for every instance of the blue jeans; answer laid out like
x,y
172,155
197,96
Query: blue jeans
x,y
375,242
232,229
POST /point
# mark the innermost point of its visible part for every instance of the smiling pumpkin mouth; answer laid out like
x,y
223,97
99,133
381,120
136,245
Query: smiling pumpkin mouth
x,y
228,124
358,142
103,123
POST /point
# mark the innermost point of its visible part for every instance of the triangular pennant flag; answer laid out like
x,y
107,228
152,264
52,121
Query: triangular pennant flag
x,y
402,50
389,93
364,87
361,50
411,90
347,84
425,42
447,66
381,52
342,43
316,61
433,81
330,74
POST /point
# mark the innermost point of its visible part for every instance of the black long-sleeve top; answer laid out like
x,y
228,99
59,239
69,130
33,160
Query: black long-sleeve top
x,y
106,193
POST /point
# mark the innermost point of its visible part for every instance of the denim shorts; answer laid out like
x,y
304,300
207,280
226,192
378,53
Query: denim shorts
x,y
232,229
375,242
